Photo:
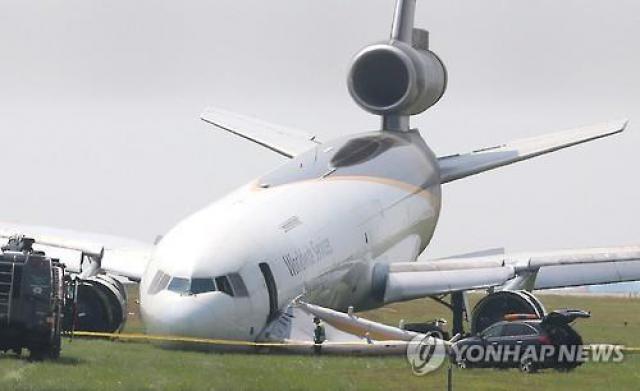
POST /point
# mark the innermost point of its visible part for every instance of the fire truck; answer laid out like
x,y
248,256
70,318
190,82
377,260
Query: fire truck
x,y
33,297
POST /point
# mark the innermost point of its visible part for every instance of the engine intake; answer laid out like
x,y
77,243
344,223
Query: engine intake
x,y
493,307
102,304
396,78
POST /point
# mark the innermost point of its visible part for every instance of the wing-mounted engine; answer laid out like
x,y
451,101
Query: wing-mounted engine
x,y
401,77
493,308
101,304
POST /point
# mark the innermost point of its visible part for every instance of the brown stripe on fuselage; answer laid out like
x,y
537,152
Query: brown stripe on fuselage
x,y
413,189
410,188
402,160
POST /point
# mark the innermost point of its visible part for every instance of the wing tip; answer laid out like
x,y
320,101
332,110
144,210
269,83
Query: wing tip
x,y
625,123
619,125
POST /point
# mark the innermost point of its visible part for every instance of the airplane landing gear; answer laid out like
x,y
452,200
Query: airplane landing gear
x,y
458,310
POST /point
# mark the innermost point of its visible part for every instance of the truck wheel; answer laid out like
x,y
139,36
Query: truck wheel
x,y
55,348
36,354
54,352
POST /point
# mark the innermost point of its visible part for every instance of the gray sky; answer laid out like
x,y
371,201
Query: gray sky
x,y
99,105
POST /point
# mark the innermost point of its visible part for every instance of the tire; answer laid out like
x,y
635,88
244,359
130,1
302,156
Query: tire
x,y
53,352
37,354
527,365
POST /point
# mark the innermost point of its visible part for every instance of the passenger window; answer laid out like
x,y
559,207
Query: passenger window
x,y
515,330
510,330
239,288
493,331
179,285
523,329
202,285
223,285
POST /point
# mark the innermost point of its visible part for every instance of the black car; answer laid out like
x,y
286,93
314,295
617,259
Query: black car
x,y
525,343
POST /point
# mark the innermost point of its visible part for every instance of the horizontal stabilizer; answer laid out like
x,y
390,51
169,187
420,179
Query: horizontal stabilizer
x,y
458,166
285,141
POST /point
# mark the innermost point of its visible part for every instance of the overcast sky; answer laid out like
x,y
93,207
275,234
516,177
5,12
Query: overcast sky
x,y
99,105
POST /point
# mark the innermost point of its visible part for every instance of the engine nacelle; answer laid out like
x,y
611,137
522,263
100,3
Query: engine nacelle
x,y
102,304
493,307
395,78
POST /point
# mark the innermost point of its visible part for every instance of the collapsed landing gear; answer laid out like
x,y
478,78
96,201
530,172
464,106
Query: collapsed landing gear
x,y
458,307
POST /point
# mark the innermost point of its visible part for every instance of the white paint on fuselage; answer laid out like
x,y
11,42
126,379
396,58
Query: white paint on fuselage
x,y
329,230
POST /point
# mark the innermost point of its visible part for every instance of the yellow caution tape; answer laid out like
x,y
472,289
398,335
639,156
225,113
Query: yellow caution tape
x,y
228,342
222,342
168,338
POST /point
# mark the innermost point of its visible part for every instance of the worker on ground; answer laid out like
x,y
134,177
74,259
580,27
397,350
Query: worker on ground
x,y
318,335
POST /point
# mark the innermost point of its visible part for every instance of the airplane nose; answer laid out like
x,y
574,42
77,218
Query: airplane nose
x,y
211,315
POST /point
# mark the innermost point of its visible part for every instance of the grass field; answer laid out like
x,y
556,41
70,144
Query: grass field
x,y
103,365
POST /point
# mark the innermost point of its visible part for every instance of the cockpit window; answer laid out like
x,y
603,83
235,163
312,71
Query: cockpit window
x,y
223,285
202,285
231,284
179,285
239,288
159,282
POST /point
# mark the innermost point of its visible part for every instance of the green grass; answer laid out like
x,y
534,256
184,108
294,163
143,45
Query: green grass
x,y
103,365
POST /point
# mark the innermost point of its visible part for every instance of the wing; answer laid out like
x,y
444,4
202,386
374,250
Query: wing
x,y
287,142
542,270
118,256
462,165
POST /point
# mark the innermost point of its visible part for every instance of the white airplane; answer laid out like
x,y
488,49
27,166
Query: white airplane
x,y
337,227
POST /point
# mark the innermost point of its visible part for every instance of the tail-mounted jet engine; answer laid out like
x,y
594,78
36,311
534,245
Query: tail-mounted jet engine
x,y
397,78
493,307
101,304
401,77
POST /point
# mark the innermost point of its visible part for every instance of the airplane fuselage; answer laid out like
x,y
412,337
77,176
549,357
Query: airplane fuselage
x,y
319,225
